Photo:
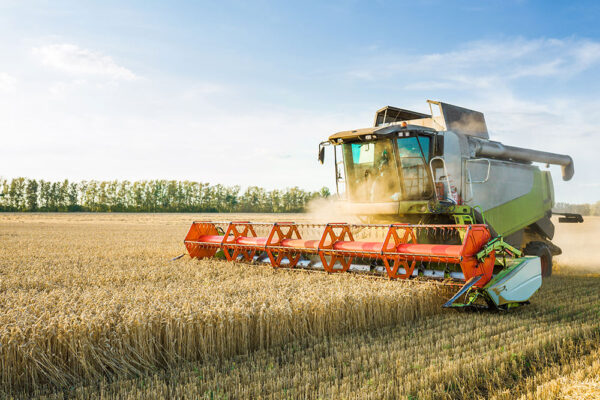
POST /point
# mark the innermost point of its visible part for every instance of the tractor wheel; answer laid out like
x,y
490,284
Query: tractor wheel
x,y
541,250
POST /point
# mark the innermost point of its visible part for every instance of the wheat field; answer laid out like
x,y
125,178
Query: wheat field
x,y
92,307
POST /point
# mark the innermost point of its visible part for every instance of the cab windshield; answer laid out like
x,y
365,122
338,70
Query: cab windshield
x,y
371,171
388,170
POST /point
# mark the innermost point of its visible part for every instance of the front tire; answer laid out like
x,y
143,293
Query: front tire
x,y
541,250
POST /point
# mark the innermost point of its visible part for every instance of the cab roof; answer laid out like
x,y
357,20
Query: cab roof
x,y
376,130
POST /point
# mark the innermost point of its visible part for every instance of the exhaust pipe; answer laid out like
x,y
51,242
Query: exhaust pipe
x,y
498,150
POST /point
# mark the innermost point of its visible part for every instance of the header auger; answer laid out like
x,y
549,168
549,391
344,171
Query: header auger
x,y
398,251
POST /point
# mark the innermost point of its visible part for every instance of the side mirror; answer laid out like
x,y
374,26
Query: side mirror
x,y
321,153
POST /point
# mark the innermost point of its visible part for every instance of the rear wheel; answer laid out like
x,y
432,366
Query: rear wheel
x,y
541,250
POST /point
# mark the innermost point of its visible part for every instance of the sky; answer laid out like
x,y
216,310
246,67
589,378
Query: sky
x,y
242,92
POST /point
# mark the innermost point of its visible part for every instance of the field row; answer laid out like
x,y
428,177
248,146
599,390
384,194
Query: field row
x,y
446,356
575,379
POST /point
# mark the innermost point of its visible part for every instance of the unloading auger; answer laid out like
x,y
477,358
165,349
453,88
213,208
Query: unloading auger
x,y
487,267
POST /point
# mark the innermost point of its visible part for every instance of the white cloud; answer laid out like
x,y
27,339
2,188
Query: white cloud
x,y
82,62
484,64
8,83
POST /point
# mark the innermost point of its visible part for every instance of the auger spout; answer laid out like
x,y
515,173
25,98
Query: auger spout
x,y
498,150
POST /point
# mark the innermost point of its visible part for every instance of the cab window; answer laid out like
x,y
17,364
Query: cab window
x,y
413,153
371,171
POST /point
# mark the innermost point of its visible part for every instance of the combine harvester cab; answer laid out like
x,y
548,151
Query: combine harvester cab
x,y
439,200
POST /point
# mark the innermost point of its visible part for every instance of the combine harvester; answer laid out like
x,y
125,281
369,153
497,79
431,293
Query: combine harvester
x,y
439,200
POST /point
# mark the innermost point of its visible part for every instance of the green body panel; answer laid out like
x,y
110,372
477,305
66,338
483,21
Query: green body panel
x,y
525,210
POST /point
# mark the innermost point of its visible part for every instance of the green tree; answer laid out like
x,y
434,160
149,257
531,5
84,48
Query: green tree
x,y
324,192
3,195
17,194
73,197
32,195
63,196
254,199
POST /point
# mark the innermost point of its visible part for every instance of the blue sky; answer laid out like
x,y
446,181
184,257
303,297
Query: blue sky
x,y
242,92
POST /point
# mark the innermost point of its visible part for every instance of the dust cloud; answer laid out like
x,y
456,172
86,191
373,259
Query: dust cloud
x,y
329,210
579,243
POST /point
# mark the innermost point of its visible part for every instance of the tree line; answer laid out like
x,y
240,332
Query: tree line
x,y
22,194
